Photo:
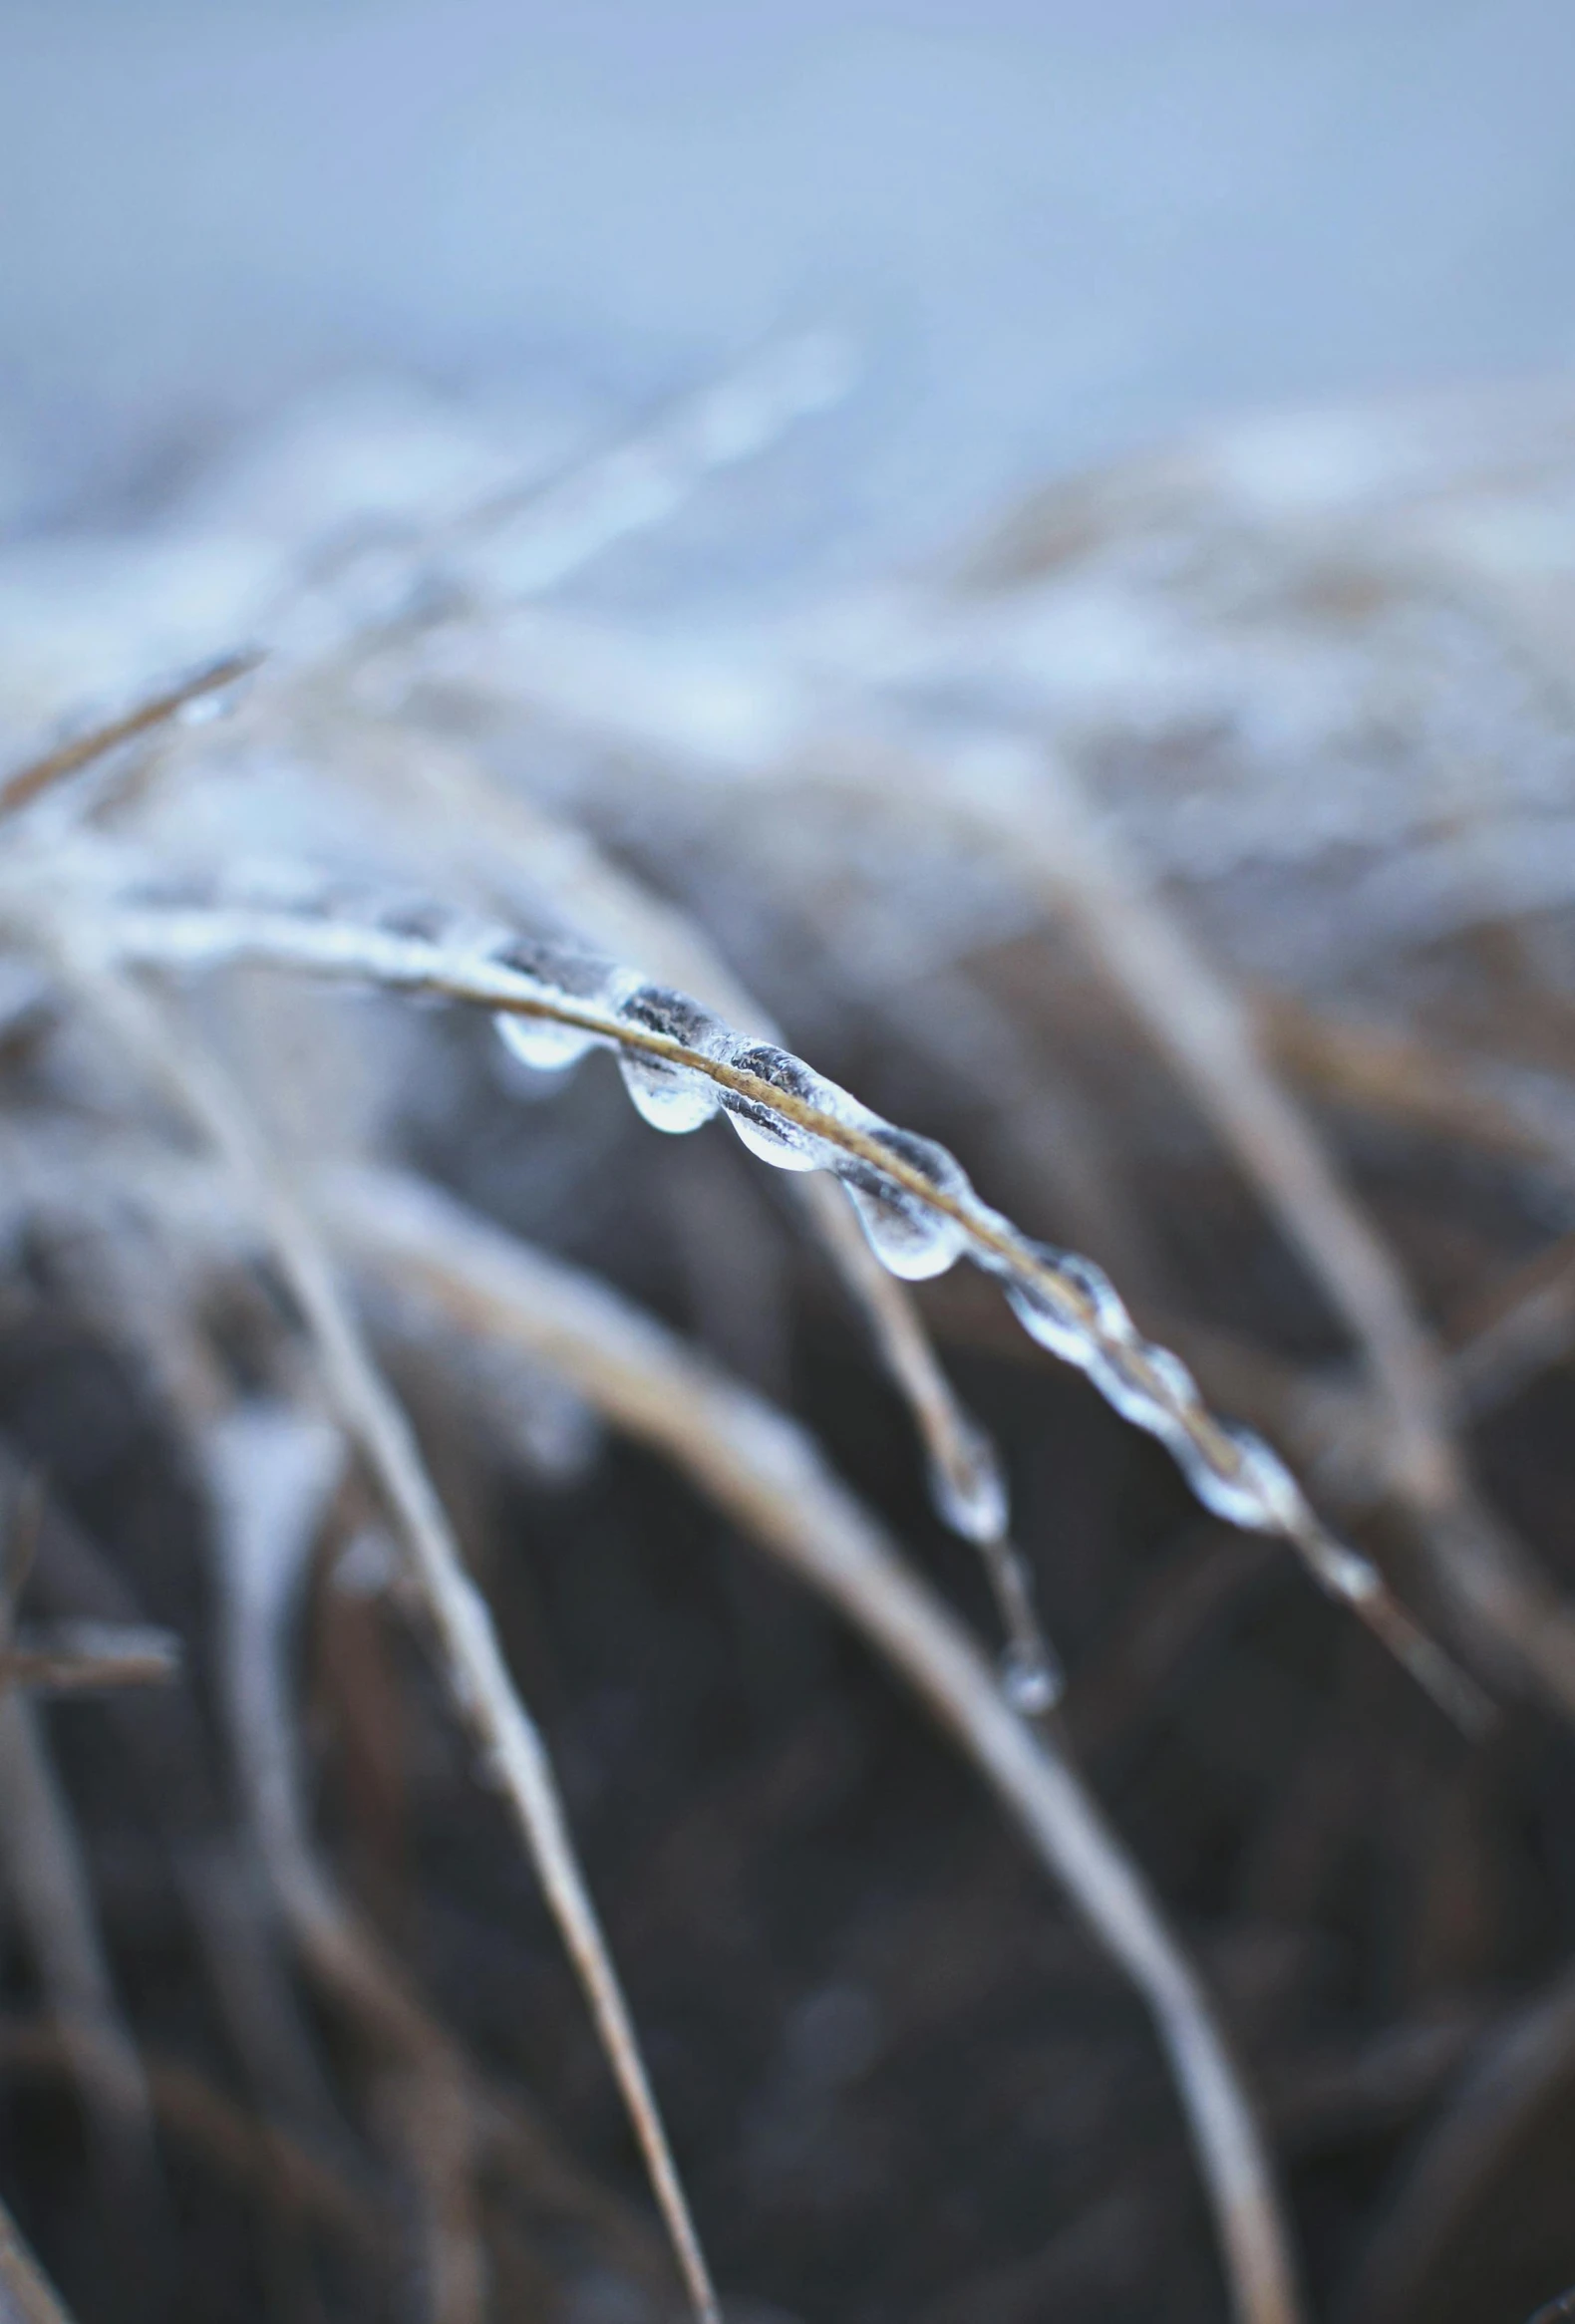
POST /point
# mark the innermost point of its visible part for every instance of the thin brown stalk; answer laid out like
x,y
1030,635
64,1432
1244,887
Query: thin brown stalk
x,y
1207,1031
1052,1137
1036,803
769,1477
90,1658
432,781
1389,1073
1238,1478
26,783
271,1474
1523,1324
474,1662
448,2120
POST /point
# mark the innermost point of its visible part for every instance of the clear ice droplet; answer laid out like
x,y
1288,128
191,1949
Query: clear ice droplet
x,y
970,1491
782,1143
1262,1496
1149,1386
905,1235
570,980
224,687
542,1042
1031,1682
908,1236
669,1096
1071,1321
1051,1320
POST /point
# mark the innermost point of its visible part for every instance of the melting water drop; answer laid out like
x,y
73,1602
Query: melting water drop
x,y
543,1044
1051,1319
1261,1497
570,980
1031,1681
1146,1386
782,1143
910,1238
670,1097
1069,1316
969,1490
218,692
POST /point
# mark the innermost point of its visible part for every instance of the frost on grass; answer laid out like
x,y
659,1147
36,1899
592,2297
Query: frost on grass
x,y
1045,857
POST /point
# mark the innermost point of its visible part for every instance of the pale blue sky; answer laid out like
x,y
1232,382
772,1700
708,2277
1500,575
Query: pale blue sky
x,y
1061,229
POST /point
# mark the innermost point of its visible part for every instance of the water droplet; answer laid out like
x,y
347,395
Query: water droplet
x,y
1262,1496
969,1489
1109,1311
1173,1382
670,1097
205,708
1076,1313
1051,1319
542,1042
907,1235
1147,1385
222,690
568,979
766,1133
1031,1681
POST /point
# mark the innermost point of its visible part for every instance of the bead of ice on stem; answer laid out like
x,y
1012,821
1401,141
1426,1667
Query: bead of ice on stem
x,y
561,979
772,1136
1259,1492
1070,1313
1147,1385
1031,1681
970,1490
671,1096
542,1042
909,1236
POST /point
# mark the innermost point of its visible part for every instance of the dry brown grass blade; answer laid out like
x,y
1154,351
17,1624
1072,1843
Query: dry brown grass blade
x,y
90,1658
1059,1296
768,1476
28,782
1388,1073
473,1662
434,782
1035,802
1523,1324
449,2121
271,1474
1206,1030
